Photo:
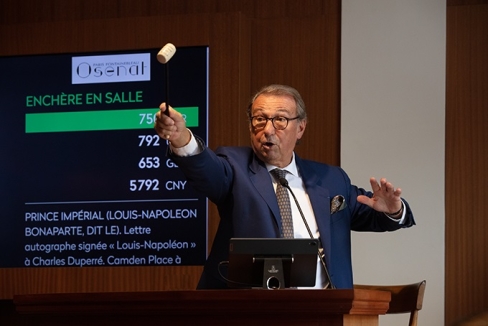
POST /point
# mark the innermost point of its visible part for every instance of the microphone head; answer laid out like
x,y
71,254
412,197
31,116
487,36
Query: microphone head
x,y
166,53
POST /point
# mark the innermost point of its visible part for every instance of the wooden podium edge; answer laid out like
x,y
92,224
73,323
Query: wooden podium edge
x,y
203,302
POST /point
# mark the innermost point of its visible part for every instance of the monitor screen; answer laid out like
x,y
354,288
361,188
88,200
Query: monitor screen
x,y
85,180
272,263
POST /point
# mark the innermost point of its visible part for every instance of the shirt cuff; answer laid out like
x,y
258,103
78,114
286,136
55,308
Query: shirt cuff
x,y
402,219
192,148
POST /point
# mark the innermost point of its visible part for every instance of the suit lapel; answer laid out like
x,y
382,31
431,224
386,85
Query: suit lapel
x,y
320,199
260,178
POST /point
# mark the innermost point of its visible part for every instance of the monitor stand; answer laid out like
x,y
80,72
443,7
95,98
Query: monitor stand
x,y
273,273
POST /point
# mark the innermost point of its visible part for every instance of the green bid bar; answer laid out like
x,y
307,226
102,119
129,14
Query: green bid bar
x,y
100,120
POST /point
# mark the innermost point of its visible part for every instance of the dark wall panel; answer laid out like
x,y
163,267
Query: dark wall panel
x,y
252,42
466,160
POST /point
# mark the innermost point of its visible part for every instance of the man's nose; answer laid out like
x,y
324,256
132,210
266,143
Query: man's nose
x,y
268,127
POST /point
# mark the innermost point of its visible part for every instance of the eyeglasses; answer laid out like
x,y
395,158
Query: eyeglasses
x,y
279,123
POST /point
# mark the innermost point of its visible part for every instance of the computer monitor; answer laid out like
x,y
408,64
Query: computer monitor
x,y
272,263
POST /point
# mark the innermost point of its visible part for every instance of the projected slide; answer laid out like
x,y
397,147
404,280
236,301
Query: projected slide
x,y
84,179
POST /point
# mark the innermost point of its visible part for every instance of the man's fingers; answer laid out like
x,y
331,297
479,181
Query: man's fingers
x,y
365,200
374,184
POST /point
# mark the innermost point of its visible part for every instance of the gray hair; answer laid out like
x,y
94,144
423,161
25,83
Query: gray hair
x,y
276,89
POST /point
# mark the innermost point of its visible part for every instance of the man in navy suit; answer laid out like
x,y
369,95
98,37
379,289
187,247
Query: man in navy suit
x,y
239,182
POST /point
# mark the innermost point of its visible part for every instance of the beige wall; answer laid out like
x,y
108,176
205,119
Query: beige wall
x,y
392,125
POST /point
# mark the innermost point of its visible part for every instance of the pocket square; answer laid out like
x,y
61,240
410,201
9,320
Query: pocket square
x,y
338,203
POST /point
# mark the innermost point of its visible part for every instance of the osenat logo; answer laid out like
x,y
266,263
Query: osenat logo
x,y
111,68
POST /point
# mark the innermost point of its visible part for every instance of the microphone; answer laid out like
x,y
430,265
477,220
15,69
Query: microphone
x,y
164,55
320,253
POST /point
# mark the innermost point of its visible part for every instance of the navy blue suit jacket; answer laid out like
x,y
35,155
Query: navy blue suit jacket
x,y
239,184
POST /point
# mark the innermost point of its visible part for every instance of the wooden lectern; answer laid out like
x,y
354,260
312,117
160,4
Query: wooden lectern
x,y
206,307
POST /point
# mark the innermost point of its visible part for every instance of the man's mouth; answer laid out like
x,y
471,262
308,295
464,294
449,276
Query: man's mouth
x,y
268,145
